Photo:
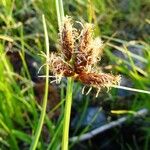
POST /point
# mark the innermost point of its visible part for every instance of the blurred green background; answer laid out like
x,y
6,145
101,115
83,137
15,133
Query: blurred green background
x,y
123,25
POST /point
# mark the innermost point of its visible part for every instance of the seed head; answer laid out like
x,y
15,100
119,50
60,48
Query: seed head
x,y
78,60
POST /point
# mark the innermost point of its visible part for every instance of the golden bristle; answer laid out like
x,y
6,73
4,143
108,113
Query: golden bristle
x,y
96,50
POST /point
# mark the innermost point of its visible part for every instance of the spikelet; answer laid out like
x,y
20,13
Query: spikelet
x,y
83,55
60,67
98,80
86,37
67,38
88,51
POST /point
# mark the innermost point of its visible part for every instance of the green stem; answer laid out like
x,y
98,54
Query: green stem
x,y
43,111
67,114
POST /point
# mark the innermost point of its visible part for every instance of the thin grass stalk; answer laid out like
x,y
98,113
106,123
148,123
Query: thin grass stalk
x,y
43,111
67,114
56,135
60,12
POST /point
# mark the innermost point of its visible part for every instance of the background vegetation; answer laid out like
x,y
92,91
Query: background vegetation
x,y
124,26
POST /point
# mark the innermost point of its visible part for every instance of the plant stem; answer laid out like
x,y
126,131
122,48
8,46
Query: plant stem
x,y
67,114
43,111
60,12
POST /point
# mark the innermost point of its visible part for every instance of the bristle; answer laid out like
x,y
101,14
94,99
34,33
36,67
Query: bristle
x,y
96,50
67,39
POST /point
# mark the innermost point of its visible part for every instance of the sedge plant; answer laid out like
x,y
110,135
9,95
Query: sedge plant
x,y
77,61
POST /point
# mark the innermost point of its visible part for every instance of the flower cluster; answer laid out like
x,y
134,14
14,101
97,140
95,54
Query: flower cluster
x,y
78,57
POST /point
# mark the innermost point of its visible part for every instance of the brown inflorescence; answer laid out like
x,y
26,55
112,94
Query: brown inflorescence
x,y
67,39
98,80
61,67
86,38
77,59
88,50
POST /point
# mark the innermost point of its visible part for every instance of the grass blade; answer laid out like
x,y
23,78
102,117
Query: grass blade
x,y
43,112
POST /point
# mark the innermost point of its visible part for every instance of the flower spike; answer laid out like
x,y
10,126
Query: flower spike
x,y
79,59
67,38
